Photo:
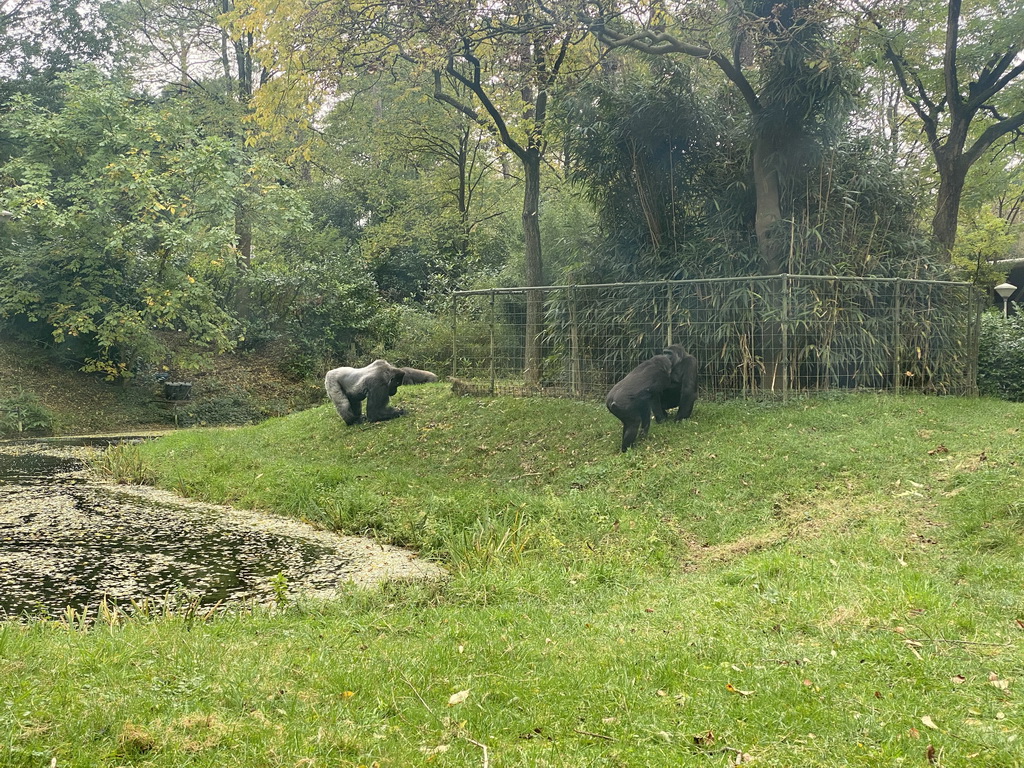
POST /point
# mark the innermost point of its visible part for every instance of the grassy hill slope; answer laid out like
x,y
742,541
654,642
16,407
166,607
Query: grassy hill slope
x,y
237,388
826,582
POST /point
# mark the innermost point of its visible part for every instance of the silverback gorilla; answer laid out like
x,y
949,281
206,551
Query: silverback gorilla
x,y
376,383
665,381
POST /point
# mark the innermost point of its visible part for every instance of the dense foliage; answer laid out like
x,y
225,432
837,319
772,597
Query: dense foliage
x,y
22,412
177,181
1001,357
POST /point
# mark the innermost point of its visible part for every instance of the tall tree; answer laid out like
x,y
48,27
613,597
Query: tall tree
x,y
778,58
962,74
423,182
41,39
119,208
497,63
184,46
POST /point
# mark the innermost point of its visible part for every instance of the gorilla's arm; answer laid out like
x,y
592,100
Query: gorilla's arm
x,y
416,376
385,383
687,388
340,384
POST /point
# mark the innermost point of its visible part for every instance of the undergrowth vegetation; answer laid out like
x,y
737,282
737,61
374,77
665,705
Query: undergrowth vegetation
x,y
1001,357
825,582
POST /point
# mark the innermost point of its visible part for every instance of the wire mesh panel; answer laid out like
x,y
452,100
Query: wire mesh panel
x,y
489,340
751,336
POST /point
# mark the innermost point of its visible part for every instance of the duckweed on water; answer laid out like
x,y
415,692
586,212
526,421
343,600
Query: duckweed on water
x,y
68,539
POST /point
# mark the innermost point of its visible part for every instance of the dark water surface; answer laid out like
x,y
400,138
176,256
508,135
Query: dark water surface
x,y
67,539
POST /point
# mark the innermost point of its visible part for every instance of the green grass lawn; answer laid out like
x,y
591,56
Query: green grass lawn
x,y
827,582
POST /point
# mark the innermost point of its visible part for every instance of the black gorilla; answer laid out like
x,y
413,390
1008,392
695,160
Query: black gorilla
x,y
668,380
376,383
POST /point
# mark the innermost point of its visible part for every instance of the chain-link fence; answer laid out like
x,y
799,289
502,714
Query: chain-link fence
x,y
751,336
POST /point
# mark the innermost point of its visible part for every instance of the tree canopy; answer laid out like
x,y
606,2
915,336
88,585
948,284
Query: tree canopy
x,y
181,178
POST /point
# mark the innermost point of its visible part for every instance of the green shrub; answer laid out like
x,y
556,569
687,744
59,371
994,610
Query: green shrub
x,y
1001,357
24,412
420,339
233,406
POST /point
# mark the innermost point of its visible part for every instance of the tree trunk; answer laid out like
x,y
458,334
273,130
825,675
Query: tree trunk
x,y
771,250
769,211
952,178
243,236
534,265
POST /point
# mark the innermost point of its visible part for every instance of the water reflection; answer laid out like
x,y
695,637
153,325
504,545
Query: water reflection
x,y
67,539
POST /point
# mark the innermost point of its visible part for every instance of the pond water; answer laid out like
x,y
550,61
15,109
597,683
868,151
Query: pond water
x,y
67,538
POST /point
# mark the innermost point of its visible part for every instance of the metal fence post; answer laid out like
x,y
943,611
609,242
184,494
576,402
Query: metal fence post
x,y
455,331
749,363
492,343
785,336
575,383
897,333
668,312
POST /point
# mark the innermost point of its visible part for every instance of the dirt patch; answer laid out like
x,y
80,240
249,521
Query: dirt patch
x,y
802,521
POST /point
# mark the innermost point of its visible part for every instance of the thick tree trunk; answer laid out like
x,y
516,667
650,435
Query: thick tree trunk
x,y
771,249
534,266
947,206
769,211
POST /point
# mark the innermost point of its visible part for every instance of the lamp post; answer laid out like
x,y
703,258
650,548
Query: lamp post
x,y
1005,291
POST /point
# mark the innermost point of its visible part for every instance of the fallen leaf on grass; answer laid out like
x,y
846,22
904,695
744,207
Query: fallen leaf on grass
x,y
704,739
733,689
1020,623
930,754
458,698
994,680
913,645
914,733
957,679
929,723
